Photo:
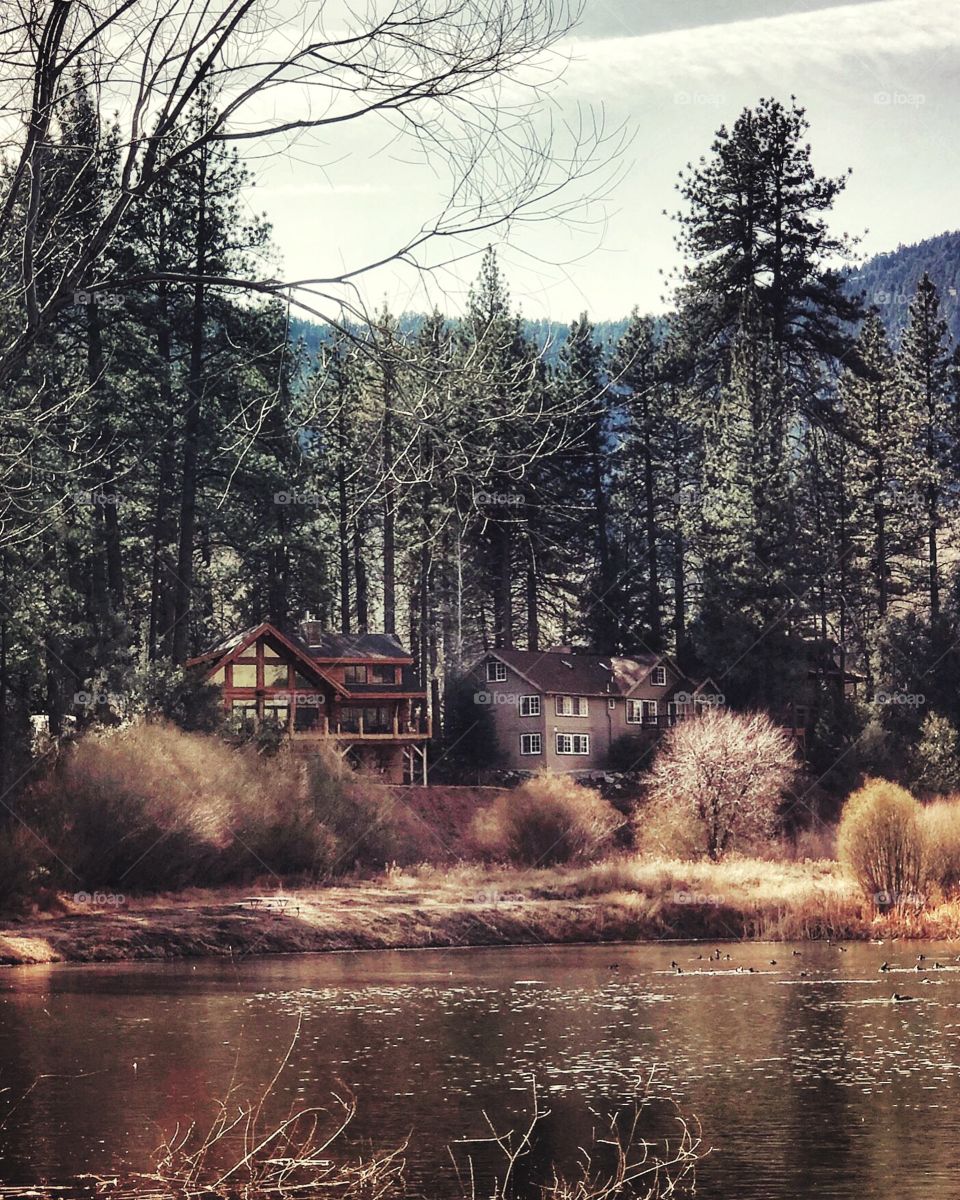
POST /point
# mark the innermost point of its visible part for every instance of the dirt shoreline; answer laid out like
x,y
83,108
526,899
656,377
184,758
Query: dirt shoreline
x,y
620,900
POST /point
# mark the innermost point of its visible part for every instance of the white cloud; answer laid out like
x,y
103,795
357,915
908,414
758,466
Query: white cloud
x,y
827,37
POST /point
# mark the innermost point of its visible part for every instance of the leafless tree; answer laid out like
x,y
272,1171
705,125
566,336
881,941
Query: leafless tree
x,y
724,773
463,80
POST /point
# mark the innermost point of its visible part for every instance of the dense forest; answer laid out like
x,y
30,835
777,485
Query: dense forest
x,y
769,470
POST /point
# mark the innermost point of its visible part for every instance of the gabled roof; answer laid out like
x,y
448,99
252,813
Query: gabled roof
x,y
233,646
580,674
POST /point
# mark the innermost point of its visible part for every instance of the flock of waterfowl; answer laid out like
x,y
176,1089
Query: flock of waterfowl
x,y
921,966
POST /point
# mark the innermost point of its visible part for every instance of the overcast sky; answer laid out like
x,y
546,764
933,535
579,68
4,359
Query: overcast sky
x,y
879,80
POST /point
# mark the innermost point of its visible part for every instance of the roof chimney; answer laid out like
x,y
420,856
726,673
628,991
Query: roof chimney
x,y
311,630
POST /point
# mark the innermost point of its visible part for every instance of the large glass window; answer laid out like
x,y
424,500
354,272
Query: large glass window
x,y
275,674
244,674
354,673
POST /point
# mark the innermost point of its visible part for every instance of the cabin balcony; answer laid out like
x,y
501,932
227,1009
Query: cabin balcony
x,y
356,729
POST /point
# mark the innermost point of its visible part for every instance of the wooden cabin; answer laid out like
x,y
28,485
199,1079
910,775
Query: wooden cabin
x,y
356,691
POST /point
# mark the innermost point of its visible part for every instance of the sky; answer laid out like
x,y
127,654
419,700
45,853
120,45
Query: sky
x,y
879,80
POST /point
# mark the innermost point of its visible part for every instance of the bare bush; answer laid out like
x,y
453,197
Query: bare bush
x,y
549,819
719,778
940,822
881,840
152,807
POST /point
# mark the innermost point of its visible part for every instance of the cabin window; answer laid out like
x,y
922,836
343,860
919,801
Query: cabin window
x,y
307,719
649,712
276,712
378,718
658,677
350,720
496,671
275,674
244,713
354,674
245,675
383,674
572,706
611,702
530,707
531,743
573,743
634,712
675,712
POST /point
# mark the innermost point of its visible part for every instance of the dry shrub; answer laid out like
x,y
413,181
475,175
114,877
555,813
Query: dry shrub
x,y
881,840
717,782
20,863
150,807
941,832
549,819
371,823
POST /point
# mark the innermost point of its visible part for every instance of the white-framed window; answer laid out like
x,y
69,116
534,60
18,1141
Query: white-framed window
x,y
675,712
530,707
571,706
531,743
496,671
641,712
658,677
611,702
573,743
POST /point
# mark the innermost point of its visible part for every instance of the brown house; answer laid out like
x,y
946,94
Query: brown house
x,y
356,691
563,711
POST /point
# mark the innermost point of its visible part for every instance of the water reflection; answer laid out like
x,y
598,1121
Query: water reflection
x,y
805,1076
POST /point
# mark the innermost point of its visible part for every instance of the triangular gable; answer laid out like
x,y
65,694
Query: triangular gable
x,y
217,658
663,660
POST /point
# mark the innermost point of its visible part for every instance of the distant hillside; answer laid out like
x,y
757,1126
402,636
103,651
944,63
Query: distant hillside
x,y
890,280
546,334
887,281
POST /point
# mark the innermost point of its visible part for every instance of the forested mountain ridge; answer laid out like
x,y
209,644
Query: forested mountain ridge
x,y
889,281
886,281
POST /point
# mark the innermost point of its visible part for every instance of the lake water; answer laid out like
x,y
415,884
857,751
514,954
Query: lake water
x,y
806,1079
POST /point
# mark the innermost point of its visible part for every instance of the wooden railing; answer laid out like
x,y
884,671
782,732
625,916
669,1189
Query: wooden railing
x,y
355,729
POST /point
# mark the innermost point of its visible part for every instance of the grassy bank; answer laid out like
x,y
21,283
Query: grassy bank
x,y
620,899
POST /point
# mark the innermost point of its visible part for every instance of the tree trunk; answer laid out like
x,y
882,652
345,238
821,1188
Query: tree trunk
x,y
191,433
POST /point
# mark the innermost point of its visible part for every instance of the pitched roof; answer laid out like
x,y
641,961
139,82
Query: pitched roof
x,y
348,646
551,671
234,644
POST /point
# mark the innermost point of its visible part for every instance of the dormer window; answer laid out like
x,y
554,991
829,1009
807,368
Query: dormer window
x,y
496,671
354,673
658,677
381,674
